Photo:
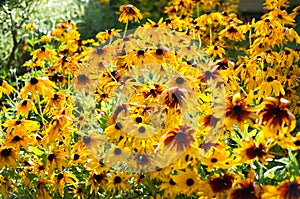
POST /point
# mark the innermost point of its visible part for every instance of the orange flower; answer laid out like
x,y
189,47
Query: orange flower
x,y
275,114
129,12
41,84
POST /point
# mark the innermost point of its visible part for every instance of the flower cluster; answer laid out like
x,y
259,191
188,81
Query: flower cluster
x,y
198,105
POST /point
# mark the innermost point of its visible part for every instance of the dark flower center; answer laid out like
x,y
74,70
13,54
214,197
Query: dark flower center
x,y
118,126
24,103
98,177
237,109
18,122
60,176
159,51
276,111
297,142
51,157
138,119
17,138
87,139
142,129
270,79
33,81
55,97
117,151
232,30
6,152
189,182
157,168
41,167
179,80
117,180
141,52
171,182
100,51
216,48
79,190
214,160
76,156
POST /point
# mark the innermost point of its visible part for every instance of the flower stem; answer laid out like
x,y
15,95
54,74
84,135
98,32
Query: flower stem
x,y
125,30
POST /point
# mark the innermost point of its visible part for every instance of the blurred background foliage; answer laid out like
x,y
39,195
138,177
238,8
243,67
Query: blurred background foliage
x,y
23,20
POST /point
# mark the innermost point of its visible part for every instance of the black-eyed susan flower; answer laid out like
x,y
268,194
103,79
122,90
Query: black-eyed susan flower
x,y
25,106
21,127
61,179
78,192
286,189
96,181
6,186
129,13
237,112
5,88
8,157
37,85
245,189
216,51
43,54
188,182
275,114
169,186
178,139
251,150
220,185
56,159
118,182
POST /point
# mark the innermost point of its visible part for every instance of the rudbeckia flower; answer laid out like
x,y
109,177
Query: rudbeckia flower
x,y
43,53
8,157
250,150
245,189
237,112
188,182
129,12
5,88
178,139
25,106
275,114
38,84
169,186
61,179
220,185
56,159
96,180
6,186
286,189
118,182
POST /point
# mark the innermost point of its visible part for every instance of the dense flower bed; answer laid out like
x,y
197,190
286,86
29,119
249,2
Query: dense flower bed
x,y
198,105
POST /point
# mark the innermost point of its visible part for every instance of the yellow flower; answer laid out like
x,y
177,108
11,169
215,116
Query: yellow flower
x,y
25,106
45,39
61,179
188,182
216,51
30,26
286,189
118,182
38,84
251,150
5,88
43,53
129,12
8,157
